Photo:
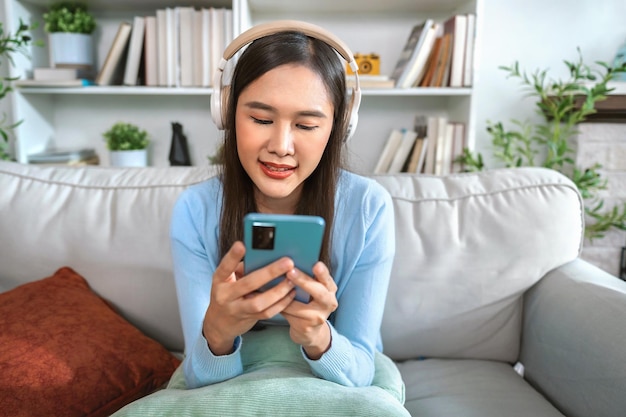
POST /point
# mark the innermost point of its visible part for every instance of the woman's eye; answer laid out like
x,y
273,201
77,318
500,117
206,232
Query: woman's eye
x,y
261,121
306,127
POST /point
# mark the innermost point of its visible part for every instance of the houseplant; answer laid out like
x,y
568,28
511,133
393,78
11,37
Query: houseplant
x,y
562,104
128,145
70,27
10,43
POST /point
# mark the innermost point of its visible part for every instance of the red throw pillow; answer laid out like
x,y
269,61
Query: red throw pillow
x,y
65,352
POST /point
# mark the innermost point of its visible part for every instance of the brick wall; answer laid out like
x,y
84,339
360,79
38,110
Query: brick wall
x,y
605,143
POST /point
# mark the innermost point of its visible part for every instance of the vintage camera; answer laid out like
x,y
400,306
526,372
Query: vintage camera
x,y
368,64
263,237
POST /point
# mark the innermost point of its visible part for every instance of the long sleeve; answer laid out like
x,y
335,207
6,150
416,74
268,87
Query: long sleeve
x,y
364,243
363,246
193,235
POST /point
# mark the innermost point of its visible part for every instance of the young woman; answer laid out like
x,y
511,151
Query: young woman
x,y
285,124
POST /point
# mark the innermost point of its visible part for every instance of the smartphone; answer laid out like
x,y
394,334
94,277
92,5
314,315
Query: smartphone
x,y
269,237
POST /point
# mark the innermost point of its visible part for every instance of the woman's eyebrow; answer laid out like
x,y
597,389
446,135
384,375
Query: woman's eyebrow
x,y
257,105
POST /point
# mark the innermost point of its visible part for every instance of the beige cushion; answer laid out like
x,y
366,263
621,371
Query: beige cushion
x,y
467,247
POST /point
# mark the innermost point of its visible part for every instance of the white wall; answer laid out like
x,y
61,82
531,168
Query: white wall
x,y
539,34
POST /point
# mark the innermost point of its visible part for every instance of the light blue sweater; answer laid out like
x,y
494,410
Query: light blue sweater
x,y
363,245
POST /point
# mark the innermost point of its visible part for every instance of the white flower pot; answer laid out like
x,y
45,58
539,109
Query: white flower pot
x,y
137,158
71,50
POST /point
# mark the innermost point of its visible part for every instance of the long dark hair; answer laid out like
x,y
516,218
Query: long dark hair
x,y
318,194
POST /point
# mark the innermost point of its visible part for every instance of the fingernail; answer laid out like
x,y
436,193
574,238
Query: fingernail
x,y
293,273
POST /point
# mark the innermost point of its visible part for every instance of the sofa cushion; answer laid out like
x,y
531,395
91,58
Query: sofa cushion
x,y
111,224
65,352
470,388
467,248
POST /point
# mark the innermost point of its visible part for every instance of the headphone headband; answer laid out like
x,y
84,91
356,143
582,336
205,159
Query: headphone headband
x,y
266,29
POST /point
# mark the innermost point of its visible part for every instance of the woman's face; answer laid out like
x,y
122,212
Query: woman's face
x,y
283,122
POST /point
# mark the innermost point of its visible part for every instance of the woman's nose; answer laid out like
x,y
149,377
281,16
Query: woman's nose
x,y
281,141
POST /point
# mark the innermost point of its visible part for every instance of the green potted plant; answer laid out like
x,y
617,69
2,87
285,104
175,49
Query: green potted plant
x,y
128,145
70,27
562,104
10,43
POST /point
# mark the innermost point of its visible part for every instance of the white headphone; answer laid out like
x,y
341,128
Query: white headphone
x,y
220,91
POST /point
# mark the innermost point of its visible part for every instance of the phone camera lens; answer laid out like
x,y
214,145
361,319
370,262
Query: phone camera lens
x,y
263,237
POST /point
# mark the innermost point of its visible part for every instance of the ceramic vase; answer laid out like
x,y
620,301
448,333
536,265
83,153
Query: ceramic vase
x,y
71,50
135,158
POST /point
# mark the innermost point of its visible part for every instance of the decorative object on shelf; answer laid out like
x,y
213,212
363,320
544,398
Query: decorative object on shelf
x,y
368,64
11,43
179,151
70,27
128,145
562,104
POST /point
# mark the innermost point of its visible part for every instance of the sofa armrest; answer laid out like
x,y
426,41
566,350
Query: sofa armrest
x,y
574,340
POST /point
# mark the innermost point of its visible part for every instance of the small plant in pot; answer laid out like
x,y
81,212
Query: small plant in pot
x,y
128,145
70,27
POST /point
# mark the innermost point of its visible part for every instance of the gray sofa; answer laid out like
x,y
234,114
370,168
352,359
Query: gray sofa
x,y
490,312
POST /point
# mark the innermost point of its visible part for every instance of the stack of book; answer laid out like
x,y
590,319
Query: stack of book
x,y
431,147
56,156
178,47
57,77
438,54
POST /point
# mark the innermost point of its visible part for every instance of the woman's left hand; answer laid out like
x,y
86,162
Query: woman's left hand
x,y
308,326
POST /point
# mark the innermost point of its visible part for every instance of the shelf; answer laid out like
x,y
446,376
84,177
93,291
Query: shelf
x,y
119,91
362,6
74,117
163,91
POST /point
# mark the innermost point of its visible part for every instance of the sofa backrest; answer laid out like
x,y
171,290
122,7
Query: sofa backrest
x,y
111,225
467,248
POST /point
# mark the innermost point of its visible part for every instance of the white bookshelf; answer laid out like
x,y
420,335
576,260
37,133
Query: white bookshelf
x,y
69,117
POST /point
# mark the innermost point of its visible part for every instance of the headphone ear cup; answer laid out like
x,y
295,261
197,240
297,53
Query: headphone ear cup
x,y
352,113
225,97
216,108
219,106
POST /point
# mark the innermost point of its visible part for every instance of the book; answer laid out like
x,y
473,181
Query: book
x,y
151,60
135,49
415,162
431,64
419,68
391,146
458,145
468,68
80,82
217,38
185,45
115,59
171,21
45,73
409,55
370,81
162,55
403,151
207,81
457,26
198,47
443,61
444,153
432,135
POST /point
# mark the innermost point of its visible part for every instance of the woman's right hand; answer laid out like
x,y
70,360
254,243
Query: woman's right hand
x,y
235,305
